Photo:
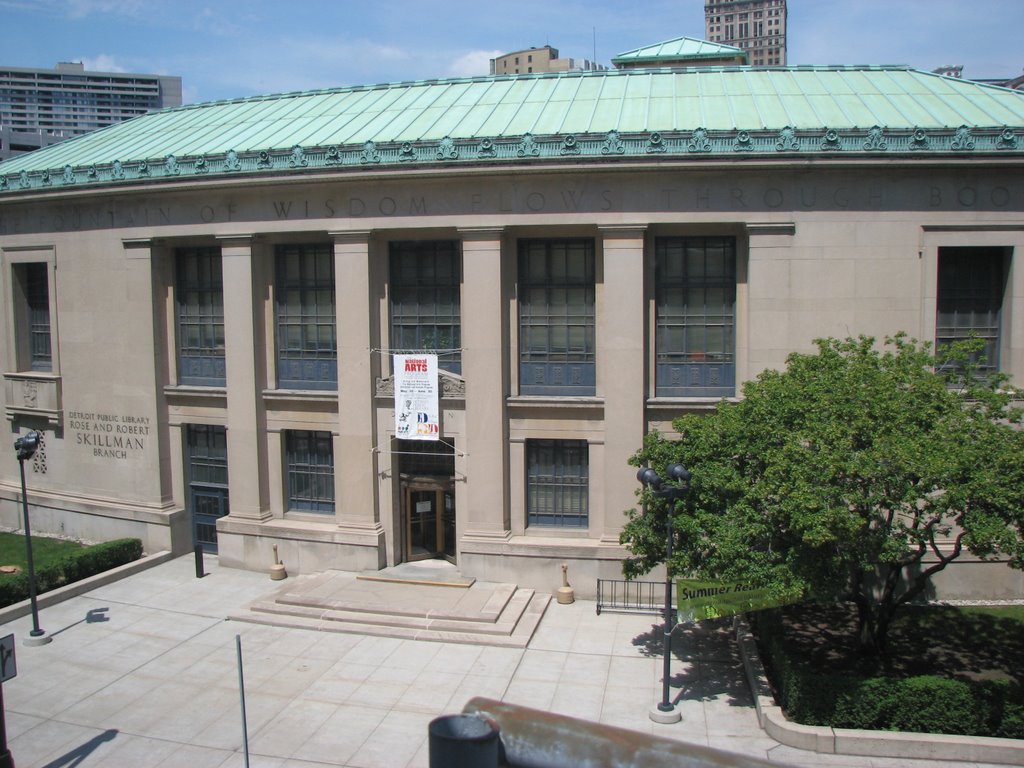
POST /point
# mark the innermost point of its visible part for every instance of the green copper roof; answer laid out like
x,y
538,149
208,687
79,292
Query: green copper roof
x,y
647,113
671,51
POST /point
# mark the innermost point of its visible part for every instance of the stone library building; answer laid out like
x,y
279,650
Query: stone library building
x,y
372,325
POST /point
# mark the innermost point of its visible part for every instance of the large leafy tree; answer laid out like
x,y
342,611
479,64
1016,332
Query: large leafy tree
x,y
857,473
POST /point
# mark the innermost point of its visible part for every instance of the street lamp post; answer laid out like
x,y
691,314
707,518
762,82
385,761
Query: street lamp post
x,y
26,447
665,711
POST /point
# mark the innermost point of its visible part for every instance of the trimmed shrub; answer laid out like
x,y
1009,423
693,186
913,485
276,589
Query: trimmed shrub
x,y
919,704
74,567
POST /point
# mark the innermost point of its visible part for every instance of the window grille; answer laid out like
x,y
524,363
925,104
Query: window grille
x,y
556,317
425,303
695,299
557,483
310,469
37,300
307,349
971,282
200,304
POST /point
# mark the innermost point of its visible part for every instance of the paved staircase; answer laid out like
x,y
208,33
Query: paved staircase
x,y
405,602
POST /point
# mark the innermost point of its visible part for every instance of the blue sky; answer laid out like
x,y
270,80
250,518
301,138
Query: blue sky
x,y
230,49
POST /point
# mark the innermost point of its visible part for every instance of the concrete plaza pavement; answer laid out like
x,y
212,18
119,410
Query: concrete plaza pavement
x,y
142,673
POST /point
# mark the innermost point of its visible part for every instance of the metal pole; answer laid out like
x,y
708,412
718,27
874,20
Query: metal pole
x,y
200,573
666,704
36,631
6,760
241,693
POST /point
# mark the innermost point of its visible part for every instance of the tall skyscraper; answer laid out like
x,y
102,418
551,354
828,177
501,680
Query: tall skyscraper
x,y
756,26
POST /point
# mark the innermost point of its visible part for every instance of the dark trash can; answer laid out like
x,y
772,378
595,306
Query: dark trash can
x,y
463,741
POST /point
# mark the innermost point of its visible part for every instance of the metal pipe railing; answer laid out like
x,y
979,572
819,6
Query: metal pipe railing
x,y
531,738
622,596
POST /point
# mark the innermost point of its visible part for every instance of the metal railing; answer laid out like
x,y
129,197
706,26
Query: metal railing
x,y
491,733
621,596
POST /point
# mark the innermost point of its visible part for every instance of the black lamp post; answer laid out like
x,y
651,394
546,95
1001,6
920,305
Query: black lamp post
x,y
665,712
26,447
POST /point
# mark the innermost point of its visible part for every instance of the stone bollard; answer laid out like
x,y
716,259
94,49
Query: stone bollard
x,y
277,571
565,593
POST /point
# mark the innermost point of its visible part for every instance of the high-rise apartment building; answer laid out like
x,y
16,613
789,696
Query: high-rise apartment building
x,y
757,26
43,106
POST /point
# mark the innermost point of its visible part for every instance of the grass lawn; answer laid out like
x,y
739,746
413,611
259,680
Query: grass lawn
x,y
44,550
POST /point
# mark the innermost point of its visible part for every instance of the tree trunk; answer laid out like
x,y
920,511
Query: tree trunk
x,y
873,622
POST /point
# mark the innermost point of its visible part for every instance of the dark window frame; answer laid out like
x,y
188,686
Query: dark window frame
x,y
199,307
207,455
306,317
309,471
36,286
970,290
695,316
558,484
425,307
557,316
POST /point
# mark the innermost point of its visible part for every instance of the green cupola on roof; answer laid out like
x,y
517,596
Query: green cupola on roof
x,y
681,52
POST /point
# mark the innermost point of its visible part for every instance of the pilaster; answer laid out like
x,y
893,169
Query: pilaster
x,y
355,462
622,381
485,368
245,380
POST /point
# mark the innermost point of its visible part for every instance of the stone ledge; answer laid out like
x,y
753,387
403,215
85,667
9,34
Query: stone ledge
x,y
77,588
843,741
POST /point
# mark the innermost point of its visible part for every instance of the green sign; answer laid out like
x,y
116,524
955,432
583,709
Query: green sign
x,y
699,600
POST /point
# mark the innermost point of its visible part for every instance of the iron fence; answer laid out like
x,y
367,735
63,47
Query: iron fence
x,y
622,596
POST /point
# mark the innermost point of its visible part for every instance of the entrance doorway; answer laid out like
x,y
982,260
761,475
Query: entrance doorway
x,y
207,482
427,472
429,519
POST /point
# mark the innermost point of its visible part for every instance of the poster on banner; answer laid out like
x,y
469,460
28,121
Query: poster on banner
x,y
699,600
416,411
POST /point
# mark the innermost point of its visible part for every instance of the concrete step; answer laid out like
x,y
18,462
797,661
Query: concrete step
x,y
485,614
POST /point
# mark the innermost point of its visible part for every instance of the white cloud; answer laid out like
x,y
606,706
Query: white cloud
x,y
102,63
79,9
472,64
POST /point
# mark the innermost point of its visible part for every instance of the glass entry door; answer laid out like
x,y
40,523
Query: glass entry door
x,y
207,456
428,509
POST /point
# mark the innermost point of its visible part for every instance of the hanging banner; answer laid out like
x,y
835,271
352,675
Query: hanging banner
x,y
699,600
416,411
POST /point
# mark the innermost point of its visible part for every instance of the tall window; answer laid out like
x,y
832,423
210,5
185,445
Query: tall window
x,y
32,308
695,297
208,481
200,302
425,300
37,293
307,349
556,317
557,483
971,284
310,469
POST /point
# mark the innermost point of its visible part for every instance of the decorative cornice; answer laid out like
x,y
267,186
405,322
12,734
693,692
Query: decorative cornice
x,y
697,144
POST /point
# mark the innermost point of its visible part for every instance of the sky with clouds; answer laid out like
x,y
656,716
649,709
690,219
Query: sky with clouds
x,y
230,49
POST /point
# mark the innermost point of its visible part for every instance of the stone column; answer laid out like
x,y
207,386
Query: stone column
x,y
143,336
485,366
621,360
244,359
355,462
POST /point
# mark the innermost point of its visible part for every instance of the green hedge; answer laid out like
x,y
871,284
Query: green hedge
x,y
71,568
921,704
